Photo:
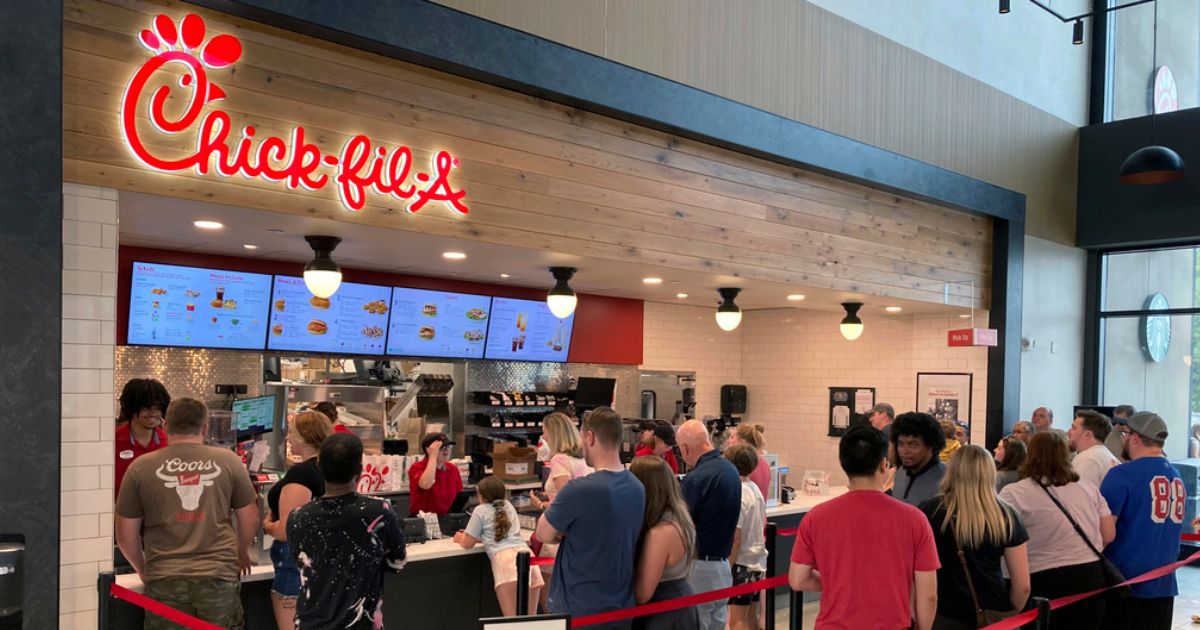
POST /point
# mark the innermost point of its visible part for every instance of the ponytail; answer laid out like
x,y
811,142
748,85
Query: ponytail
x,y
502,522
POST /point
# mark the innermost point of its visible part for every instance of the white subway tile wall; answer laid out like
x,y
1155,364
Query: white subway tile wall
x,y
89,313
788,358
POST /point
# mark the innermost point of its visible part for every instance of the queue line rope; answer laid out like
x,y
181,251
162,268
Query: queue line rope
x,y
193,623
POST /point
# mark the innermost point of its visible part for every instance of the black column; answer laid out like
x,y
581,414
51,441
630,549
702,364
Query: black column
x,y
1004,361
30,318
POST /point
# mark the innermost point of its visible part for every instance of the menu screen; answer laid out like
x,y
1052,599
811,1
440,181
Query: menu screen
x,y
351,321
438,324
526,330
254,415
200,308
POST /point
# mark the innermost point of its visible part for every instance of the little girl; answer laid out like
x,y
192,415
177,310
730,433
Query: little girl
x,y
494,523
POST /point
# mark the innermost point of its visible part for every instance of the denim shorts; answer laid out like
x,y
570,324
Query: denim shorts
x,y
287,576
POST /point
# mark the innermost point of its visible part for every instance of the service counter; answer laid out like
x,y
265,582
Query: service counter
x,y
444,585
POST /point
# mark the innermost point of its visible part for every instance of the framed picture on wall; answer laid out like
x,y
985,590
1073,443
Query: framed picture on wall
x,y
945,396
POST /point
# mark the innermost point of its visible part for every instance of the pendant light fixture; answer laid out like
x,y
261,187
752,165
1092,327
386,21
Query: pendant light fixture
x,y
322,276
1152,164
729,315
851,326
562,299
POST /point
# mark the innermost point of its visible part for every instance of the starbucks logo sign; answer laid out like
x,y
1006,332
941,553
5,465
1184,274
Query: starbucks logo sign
x,y
1156,329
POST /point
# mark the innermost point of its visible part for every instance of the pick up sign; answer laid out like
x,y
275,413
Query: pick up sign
x,y
972,337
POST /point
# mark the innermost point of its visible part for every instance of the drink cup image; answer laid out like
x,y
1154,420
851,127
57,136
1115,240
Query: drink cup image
x,y
514,343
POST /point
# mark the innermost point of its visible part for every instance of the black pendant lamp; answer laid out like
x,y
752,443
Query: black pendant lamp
x,y
1154,164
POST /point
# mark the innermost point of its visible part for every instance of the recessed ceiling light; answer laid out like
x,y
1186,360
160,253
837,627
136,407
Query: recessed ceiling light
x,y
453,255
505,276
208,225
964,316
652,280
249,246
795,297
893,309
682,296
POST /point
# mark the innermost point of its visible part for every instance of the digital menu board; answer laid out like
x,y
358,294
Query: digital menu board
x,y
438,324
171,305
351,321
526,330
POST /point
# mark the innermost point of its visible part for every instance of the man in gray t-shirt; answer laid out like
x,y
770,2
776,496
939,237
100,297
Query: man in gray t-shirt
x,y
917,439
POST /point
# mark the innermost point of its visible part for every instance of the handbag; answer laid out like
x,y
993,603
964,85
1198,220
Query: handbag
x,y
983,617
1112,575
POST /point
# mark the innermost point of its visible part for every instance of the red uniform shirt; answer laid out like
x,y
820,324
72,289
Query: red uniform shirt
x,y
447,483
341,428
668,456
852,567
128,449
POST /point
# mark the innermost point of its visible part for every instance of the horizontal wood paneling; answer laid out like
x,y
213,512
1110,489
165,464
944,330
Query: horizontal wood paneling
x,y
795,59
538,175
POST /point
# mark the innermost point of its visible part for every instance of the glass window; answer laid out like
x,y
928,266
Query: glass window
x,y
1130,72
1146,357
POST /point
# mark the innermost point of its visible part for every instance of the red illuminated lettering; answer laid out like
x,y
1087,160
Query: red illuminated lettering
x,y
293,161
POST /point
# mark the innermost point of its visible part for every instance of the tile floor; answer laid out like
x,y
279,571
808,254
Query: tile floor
x,y
1187,604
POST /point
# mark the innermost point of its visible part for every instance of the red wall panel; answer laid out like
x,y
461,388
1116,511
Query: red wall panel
x,y
607,329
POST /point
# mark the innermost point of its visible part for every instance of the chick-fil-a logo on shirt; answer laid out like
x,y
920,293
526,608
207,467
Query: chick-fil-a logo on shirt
x,y
360,167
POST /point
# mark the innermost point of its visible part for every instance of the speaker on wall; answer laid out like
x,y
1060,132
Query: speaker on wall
x,y
733,399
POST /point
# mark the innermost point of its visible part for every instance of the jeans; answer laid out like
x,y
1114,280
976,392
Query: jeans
x,y
710,575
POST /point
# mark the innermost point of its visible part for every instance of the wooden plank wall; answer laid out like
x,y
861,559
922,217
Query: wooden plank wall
x,y
798,60
538,175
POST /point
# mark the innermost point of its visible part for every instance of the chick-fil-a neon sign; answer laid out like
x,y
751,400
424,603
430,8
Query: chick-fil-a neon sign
x,y
359,168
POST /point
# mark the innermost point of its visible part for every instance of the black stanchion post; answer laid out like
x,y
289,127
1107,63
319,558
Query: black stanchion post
x,y
522,583
769,595
1043,619
104,585
795,610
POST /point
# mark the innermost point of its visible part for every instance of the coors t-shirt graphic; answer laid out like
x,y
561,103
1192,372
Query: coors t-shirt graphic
x,y
188,480
185,494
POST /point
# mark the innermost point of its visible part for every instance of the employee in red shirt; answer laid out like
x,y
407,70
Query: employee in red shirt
x,y
330,410
433,486
139,429
658,438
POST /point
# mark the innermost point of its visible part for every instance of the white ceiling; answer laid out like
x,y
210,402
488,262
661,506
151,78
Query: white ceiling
x,y
166,223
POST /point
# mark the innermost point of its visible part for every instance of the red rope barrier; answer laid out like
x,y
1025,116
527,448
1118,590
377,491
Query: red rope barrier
x,y
161,609
682,602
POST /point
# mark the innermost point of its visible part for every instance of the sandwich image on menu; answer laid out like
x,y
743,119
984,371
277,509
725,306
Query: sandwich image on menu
x,y
437,324
351,321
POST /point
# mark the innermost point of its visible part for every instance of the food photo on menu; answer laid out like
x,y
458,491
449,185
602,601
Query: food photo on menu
x,y
351,321
171,305
438,324
526,330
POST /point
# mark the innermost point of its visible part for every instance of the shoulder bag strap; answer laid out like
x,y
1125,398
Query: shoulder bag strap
x,y
1078,529
962,559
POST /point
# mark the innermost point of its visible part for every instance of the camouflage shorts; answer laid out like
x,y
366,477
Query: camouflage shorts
x,y
214,600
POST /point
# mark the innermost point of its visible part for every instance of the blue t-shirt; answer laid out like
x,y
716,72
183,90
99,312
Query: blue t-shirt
x,y
713,492
1148,499
600,518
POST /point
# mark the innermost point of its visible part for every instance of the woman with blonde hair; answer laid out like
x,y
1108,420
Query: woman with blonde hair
x,y
974,530
302,483
1068,523
561,448
665,548
752,434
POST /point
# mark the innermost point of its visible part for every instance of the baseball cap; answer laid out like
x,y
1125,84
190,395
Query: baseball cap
x,y
665,432
430,438
882,408
646,425
1149,424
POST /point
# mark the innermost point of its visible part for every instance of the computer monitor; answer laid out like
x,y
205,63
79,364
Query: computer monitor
x,y
253,416
594,392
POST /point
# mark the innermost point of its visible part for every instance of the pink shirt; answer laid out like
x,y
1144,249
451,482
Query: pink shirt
x,y
762,476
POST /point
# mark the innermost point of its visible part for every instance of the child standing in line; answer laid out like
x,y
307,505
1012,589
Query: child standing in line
x,y
748,559
494,523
